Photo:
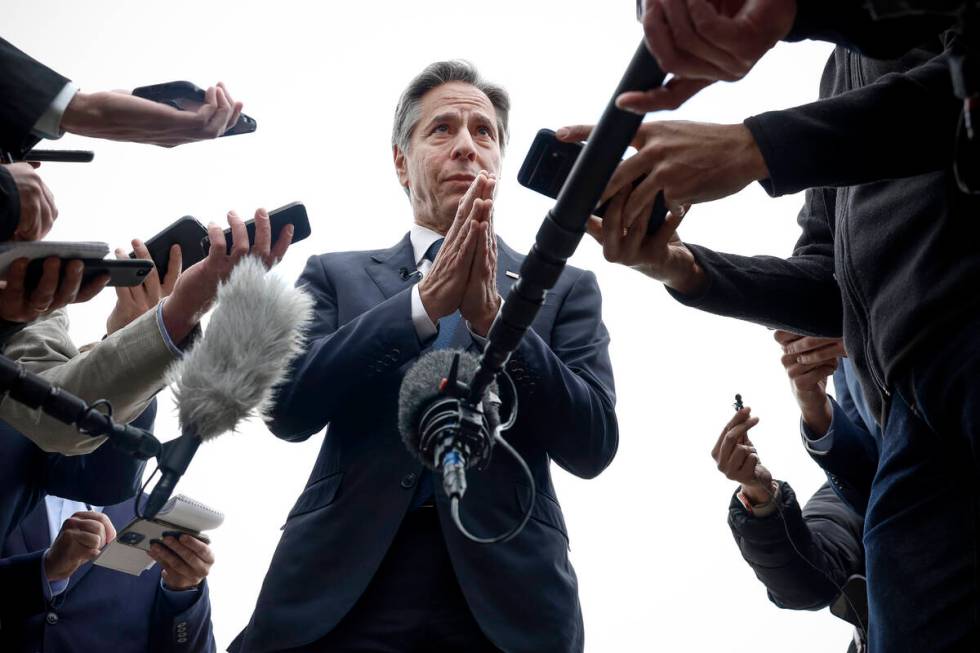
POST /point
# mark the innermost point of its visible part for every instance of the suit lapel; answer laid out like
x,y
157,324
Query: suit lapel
x,y
34,529
386,268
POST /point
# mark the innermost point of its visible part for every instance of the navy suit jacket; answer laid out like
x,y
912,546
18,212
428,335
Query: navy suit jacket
x,y
102,609
852,459
524,593
103,477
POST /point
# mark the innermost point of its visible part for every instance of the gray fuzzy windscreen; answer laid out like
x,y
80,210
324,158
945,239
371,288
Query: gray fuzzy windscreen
x,y
421,385
255,331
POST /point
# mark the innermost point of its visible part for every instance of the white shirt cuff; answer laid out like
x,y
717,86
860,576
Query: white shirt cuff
x,y
51,588
818,446
174,349
49,124
424,328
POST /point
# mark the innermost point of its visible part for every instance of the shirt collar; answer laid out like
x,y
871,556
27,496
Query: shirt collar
x,y
422,238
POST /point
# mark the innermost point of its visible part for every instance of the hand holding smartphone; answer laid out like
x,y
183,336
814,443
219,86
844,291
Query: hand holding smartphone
x,y
548,164
185,96
192,236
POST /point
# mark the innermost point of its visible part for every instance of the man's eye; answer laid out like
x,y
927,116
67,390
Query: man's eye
x,y
485,131
441,128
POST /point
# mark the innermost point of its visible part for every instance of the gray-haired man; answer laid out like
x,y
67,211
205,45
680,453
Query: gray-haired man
x,y
369,558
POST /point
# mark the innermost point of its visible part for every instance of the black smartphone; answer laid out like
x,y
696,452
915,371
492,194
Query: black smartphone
x,y
187,96
122,272
548,164
293,213
60,156
186,232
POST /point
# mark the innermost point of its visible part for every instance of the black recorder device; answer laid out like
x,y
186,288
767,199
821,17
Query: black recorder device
x,y
548,164
187,96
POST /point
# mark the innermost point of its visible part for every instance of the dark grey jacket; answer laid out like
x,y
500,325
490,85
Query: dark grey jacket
x,y
890,264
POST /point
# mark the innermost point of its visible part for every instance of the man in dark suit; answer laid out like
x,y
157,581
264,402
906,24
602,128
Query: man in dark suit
x,y
370,559
164,610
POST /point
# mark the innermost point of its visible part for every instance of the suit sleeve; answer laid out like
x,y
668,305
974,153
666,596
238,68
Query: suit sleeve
x,y
341,361
27,89
903,124
127,368
567,385
854,24
104,477
846,453
826,532
799,294
181,629
21,588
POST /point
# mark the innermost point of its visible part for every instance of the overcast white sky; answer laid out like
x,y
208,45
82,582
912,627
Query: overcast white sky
x,y
657,566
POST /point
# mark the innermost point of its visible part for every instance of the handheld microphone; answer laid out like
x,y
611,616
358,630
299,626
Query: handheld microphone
x,y
256,330
445,432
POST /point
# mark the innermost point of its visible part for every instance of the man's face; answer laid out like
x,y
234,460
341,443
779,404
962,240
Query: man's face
x,y
454,138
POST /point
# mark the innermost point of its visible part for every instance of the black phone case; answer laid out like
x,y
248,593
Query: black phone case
x,y
293,213
186,232
548,163
122,272
170,93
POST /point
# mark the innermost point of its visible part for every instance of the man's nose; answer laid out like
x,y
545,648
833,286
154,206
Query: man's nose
x,y
463,146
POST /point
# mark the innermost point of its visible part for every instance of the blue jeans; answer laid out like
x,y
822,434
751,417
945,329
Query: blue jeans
x,y
921,529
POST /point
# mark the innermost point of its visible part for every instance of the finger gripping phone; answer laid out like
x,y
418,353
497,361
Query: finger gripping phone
x,y
293,213
548,164
186,232
122,272
186,96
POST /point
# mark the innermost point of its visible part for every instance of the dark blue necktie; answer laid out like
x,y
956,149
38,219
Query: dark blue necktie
x,y
448,324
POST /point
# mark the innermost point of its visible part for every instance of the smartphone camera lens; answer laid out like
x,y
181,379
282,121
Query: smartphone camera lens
x,y
131,538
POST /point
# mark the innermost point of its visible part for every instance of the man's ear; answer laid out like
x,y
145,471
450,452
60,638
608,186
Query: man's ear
x,y
401,166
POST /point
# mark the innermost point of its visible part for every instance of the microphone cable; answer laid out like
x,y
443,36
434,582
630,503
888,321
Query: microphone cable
x,y
499,439
789,538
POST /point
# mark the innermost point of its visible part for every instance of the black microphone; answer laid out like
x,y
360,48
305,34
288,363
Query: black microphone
x,y
256,330
438,424
407,274
37,392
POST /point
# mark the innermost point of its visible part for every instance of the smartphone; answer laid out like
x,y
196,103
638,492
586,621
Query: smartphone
x,y
186,232
186,96
548,164
122,272
60,156
293,213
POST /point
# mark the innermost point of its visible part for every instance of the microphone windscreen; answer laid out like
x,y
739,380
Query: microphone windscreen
x,y
255,332
420,388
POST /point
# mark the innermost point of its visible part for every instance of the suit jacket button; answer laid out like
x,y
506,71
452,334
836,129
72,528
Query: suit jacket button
x,y
51,618
408,481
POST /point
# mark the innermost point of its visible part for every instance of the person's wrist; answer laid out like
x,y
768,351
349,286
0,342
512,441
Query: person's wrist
x,y
818,416
481,326
431,307
81,111
751,162
681,272
756,493
180,317
53,570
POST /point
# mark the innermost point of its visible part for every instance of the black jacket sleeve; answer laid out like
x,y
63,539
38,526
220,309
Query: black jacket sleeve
x,y
9,205
828,548
903,124
798,294
27,88
853,24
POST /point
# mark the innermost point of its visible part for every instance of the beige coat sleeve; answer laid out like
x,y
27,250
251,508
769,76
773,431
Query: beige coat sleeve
x,y
127,369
